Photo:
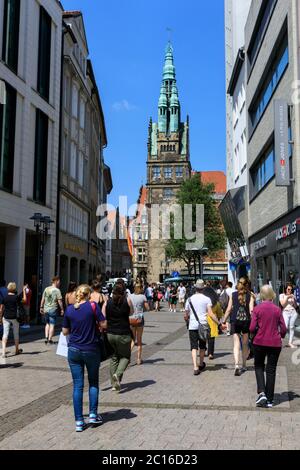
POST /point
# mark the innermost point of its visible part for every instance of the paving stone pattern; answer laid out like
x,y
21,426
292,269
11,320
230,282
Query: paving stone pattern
x,y
161,404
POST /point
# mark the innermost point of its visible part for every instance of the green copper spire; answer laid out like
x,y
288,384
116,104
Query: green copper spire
x,y
169,68
162,109
174,96
163,96
168,104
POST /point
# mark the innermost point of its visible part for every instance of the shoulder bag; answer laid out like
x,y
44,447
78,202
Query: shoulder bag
x,y
106,350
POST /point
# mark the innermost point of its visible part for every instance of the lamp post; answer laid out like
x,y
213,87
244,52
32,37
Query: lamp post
x,y
42,225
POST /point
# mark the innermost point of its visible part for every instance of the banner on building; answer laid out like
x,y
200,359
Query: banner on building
x,y
281,132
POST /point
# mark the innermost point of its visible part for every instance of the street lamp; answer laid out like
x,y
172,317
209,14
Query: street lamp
x,y
42,225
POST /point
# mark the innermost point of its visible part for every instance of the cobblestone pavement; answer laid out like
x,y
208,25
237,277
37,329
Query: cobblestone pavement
x,y
161,405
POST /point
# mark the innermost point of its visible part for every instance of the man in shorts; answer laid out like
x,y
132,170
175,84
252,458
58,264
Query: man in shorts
x,y
50,305
203,307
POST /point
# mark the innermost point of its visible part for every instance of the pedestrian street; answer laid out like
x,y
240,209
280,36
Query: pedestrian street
x,y
162,405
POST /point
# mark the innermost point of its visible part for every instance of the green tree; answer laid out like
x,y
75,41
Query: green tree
x,y
193,191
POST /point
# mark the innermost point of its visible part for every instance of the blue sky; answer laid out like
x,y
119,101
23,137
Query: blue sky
x,y
127,41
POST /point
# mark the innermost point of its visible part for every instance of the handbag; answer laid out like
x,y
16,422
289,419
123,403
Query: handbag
x,y
20,313
203,330
106,351
136,320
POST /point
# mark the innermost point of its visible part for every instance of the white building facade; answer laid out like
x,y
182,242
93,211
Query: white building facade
x,y
30,67
85,179
236,13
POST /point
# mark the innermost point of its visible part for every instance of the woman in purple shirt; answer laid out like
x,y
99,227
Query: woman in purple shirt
x,y
268,325
84,351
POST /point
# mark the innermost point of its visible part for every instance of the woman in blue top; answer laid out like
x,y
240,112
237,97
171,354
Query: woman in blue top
x,y
84,350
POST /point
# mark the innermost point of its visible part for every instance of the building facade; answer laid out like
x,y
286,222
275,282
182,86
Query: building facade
x,y
234,214
236,13
139,237
84,182
121,256
272,59
168,163
30,71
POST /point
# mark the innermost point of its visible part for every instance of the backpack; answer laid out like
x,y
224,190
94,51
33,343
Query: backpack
x,y
242,314
224,300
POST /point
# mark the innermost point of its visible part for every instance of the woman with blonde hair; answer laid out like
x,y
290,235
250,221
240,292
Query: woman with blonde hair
x,y
240,306
269,327
80,323
140,306
9,315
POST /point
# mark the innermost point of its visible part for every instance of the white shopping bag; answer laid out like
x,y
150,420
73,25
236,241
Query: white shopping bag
x,y
62,347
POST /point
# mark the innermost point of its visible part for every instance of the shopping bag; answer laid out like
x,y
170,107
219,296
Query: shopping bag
x,y
62,347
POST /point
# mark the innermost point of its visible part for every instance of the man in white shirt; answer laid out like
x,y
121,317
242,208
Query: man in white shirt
x,y
203,307
181,296
229,288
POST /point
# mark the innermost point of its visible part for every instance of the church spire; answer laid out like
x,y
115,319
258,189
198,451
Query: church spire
x,y
168,105
169,68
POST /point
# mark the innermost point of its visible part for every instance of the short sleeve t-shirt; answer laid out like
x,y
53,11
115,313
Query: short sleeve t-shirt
x,y
11,303
200,303
51,295
138,301
82,325
149,292
181,292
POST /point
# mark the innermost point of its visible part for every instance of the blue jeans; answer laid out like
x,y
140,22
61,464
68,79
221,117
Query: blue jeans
x,y
77,360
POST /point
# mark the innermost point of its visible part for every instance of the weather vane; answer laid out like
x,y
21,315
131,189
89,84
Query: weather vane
x,y
169,30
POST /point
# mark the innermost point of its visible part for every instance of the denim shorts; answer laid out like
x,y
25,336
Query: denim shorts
x,y
50,317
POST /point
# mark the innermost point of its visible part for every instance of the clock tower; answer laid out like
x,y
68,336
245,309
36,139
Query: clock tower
x,y
168,162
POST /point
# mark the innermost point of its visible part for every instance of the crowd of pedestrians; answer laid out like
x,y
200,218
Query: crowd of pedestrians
x,y
96,319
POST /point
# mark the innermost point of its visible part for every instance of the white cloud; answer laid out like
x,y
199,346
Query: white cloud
x,y
123,105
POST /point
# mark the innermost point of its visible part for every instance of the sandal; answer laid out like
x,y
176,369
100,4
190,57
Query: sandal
x,y
19,352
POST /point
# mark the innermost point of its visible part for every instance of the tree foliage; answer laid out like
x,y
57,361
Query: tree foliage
x,y
193,191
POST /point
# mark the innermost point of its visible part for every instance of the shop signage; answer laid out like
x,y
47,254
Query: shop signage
x,y
287,230
260,244
282,161
74,248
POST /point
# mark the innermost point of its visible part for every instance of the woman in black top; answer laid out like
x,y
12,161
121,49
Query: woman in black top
x,y
240,306
117,311
9,315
